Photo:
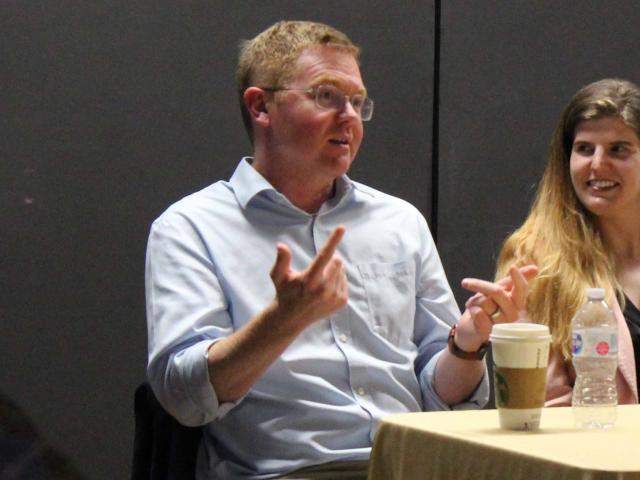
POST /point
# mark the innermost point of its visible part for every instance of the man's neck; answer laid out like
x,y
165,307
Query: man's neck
x,y
301,191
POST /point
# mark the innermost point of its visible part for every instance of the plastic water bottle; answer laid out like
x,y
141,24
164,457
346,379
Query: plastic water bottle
x,y
595,359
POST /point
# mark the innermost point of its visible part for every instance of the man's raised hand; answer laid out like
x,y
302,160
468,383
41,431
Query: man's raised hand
x,y
315,292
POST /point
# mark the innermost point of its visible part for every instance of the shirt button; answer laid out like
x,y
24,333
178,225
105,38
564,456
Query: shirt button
x,y
360,391
343,338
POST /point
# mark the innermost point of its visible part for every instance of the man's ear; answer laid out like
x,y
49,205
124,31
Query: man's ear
x,y
256,103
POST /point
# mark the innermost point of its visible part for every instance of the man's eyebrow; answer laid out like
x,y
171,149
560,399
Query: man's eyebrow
x,y
331,80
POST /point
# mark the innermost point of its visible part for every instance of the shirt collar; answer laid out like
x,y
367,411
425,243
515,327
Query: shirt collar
x,y
247,184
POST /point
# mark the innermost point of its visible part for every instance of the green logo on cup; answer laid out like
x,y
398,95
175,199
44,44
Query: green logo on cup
x,y
502,389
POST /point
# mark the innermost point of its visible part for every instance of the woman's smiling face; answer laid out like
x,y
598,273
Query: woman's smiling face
x,y
605,167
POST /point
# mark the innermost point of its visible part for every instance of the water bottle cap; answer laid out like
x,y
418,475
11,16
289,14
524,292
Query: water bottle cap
x,y
595,293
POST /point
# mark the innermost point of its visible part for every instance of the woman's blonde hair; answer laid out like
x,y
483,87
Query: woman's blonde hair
x,y
560,234
268,60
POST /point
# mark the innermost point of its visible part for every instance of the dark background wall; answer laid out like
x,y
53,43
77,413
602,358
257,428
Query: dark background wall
x,y
110,111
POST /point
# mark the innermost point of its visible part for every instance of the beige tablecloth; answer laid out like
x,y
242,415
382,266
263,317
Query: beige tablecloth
x,y
470,445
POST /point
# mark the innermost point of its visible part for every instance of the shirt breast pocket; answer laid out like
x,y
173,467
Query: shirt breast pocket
x,y
391,298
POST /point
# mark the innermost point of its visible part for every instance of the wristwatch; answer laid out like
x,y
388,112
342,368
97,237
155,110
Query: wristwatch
x,y
458,352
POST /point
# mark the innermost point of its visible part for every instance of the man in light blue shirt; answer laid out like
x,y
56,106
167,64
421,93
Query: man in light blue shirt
x,y
291,308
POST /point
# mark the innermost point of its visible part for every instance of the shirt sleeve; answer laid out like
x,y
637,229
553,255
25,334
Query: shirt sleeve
x,y
186,313
436,312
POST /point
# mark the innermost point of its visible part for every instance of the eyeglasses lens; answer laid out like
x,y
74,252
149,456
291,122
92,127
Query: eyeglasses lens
x,y
330,97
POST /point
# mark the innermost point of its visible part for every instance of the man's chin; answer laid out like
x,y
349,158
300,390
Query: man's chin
x,y
342,165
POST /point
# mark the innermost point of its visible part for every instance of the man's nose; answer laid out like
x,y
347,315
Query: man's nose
x,y
348,109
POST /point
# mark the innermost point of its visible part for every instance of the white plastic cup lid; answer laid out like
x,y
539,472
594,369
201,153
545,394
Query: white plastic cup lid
x,y
520,331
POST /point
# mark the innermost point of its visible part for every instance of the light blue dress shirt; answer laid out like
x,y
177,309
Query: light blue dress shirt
x,y
207,274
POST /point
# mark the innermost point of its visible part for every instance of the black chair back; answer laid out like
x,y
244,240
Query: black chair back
x,y
163,449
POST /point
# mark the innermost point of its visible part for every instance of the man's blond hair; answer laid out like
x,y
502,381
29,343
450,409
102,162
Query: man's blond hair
x,y
268,60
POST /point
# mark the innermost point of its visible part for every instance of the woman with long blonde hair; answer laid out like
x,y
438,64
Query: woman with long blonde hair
x,y
583,229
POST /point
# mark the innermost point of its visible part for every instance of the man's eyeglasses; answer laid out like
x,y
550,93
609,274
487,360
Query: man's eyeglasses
x,y
332,98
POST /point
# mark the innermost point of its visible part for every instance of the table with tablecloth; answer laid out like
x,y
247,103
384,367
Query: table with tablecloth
x,y
470,445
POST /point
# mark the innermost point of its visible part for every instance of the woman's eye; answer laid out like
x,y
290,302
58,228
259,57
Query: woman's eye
x,y
618,149
582,148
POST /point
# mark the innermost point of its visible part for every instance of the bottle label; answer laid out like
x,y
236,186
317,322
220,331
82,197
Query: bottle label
x,y
594,342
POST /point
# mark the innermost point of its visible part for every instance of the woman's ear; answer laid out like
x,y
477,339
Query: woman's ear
x,y
256,103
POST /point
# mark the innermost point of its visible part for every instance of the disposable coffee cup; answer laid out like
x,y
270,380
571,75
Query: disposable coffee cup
x,y
520,357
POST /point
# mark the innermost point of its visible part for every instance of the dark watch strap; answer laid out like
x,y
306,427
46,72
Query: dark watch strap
x,y
458,352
